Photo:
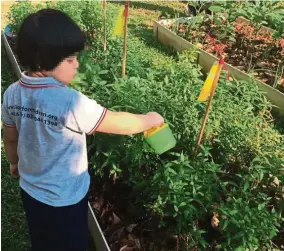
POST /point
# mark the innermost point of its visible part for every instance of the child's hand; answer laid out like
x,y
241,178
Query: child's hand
x,y
14,170
126,123
156,119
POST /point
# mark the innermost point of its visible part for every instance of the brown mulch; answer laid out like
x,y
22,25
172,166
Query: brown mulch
x,y
253,51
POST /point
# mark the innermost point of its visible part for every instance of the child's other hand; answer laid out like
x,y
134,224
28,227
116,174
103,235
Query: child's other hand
x,y
156,119
14,170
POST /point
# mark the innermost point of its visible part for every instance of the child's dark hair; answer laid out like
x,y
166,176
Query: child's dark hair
x,y
46,38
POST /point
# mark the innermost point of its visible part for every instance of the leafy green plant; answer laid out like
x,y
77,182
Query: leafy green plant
x,y
74,10
217,24
186,190
92,17
238,174
19,11
247,223
267,13
226,29
231,141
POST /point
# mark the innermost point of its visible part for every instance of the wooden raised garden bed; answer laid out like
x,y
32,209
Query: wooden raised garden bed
x,y
205,59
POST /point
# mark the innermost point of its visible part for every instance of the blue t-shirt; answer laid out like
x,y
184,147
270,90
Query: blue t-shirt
x,y
51,120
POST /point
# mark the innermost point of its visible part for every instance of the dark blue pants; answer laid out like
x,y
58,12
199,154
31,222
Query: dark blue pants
x,y
56,228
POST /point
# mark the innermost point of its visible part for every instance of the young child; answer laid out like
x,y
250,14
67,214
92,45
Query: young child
x,y
45,124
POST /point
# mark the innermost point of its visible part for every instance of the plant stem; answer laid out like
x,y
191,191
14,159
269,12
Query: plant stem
x,y
125,37
105,35
277,77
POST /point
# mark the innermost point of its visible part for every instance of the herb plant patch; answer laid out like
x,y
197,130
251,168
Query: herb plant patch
x,y
229,198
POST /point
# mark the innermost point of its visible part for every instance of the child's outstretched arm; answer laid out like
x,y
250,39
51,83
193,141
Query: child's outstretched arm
x,y
87,116
10,144
125,123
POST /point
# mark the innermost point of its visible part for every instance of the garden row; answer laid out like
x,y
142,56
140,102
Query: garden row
x,y
246,45
230,197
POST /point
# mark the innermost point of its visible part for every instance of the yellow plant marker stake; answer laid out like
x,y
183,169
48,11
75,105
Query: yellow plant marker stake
x,y
207,87
105,31
220,65
119,25
125,13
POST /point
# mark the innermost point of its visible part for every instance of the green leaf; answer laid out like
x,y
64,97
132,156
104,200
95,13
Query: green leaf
x,y
238,235
246,186
203,242
193,191
166,79
176,208
261,206
179,224
232,39
216,8
103,72
273,210
261,176
181,157
233,212
225,224
182,204
218,22
172,171
186,213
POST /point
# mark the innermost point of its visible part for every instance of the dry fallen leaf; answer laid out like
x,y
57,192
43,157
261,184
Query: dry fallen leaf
x,y
137,243
123,248
276,182
215,221
117,234
199,45
130,227
116,219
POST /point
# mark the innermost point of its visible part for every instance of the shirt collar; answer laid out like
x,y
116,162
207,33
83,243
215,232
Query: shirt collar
x,y
39,82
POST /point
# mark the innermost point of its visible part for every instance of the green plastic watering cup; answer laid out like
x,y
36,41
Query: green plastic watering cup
x,y
161,139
